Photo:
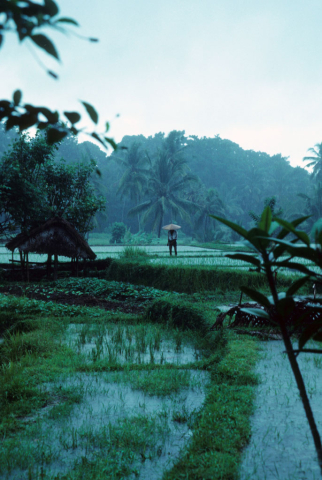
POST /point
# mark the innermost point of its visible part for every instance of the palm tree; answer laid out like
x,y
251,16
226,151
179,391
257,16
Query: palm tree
x,y
313,204
315,160
167,183
134,177
210,204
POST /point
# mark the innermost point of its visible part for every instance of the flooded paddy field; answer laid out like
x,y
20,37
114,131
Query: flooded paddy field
x,y
159,254
281,445
114,414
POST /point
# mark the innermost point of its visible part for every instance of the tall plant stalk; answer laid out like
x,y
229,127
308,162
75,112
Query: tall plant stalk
x,y
293,362
281,307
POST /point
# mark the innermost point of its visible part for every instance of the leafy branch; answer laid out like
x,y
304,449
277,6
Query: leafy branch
x,y
25,19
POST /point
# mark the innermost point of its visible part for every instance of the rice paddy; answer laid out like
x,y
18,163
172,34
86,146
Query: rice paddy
x,y
159,255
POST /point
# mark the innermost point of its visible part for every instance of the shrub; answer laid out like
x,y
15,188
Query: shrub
x,y
118,232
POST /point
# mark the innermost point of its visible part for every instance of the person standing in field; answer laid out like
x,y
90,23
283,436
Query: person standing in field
x,y
172,241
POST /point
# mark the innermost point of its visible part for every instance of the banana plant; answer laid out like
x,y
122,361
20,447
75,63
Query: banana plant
x,y
278,249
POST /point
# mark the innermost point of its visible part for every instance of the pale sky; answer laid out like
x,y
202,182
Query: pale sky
x,y
248,70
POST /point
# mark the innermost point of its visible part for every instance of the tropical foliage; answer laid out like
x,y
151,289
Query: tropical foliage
x,y
35,187
167,183
279,307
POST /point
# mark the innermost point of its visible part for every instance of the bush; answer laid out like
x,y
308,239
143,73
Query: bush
x,y
118,232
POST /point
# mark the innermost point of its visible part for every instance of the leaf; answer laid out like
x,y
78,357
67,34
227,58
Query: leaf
x,y
309,332
73,117
257,312
257,296
294,223
91,111
111,142
52,74
266,220
43,42
94,135
107,127
295,266
17,97
245,258
297,285
67,20
288,226
51,7
54,135
234,226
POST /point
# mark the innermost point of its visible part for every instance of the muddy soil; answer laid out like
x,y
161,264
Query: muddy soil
x,y
125,306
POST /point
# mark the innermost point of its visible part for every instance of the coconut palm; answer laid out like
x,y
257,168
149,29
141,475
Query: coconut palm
x,y
315,160
210,204
166,186
134,177
313,204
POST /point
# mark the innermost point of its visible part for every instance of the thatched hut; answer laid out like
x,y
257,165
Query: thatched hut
x,y
55,237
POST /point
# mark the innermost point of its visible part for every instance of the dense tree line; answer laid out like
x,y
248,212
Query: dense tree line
x,y
160,179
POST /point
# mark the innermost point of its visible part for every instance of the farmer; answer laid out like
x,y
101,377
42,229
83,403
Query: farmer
x,y
172,241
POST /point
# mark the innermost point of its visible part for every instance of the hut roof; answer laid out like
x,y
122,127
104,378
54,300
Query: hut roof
x,y
55,237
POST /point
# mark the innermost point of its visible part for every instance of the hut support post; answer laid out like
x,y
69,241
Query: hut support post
x,y
76,266
27,266
48,265
13,263
22,265
55,266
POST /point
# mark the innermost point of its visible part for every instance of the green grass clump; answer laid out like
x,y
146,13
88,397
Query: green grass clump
x,y
177,314
160,382
133,253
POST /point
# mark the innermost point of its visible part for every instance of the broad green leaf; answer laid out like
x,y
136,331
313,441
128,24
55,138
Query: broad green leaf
x,y
297,285
259,238
288,226
67,20
245,258
309,332
43,42
17,97
234,226
266,220
91,111
257,312
257,296
54,135
73,117
295,266
294,223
